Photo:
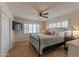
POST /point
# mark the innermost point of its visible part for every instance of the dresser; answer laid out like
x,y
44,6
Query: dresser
x,y
66,39
73,48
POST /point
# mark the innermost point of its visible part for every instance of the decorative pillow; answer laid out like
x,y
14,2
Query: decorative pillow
x,y
47,33
53,33
61,34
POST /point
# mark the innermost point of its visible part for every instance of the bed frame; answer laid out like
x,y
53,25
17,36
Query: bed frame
x,y
35,41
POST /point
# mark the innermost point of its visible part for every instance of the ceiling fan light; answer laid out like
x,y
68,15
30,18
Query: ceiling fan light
x,y
40,17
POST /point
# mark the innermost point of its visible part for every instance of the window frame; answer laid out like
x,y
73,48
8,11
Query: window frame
x,y
63,24
37,28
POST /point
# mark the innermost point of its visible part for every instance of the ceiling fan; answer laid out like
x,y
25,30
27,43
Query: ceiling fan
x,y
44,15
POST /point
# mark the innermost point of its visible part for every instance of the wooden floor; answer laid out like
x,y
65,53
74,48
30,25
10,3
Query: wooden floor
x,y
25,49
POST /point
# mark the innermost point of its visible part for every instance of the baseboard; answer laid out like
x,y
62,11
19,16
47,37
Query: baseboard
x,y
6,54
11,45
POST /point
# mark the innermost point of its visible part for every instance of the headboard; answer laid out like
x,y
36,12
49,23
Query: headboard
x,y
56,29
62,31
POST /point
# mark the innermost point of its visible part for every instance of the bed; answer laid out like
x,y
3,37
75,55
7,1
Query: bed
x,y
40,41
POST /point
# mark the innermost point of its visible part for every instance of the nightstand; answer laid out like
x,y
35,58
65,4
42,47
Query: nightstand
x,y
66,39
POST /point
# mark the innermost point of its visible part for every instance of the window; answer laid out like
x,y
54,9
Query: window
x,y
31,28
58,24
38,29
54,25
50,26
62,24
65,24
34,28
26,26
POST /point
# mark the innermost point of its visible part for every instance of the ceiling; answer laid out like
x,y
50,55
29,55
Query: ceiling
x,y
30,10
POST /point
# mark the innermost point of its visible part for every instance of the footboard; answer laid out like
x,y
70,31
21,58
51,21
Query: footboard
x,y
35,41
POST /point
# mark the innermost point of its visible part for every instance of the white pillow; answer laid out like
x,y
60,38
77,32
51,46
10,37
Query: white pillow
x,y
61,34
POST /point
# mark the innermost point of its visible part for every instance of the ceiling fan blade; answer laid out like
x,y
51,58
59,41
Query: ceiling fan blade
x,y
40,14
45,16
45,13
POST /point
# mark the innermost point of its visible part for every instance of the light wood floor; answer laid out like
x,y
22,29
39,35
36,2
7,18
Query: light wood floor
x,y
25,49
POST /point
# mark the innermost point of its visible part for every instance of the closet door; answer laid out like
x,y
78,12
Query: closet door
x,y
5,35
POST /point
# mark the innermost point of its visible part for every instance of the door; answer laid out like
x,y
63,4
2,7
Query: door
x,y
5,35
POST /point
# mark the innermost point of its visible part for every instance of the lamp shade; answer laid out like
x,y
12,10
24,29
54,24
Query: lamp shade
x,y
76,33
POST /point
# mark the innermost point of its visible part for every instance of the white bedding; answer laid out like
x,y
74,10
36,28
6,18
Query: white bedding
x,y
46,40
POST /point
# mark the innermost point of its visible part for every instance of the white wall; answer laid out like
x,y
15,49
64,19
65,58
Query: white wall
x,y
6,40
